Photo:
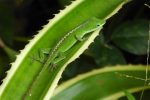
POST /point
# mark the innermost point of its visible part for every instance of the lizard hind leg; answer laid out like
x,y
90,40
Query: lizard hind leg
x,y
40,56
79,38
58,58
46,51
34,58
43,53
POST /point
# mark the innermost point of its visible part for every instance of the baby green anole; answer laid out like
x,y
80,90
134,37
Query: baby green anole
x,y
69,40
80,33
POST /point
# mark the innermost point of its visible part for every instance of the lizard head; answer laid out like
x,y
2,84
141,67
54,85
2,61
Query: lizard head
x,y
94,23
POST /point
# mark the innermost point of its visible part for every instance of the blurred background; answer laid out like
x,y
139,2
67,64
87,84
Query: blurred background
x,y
123,39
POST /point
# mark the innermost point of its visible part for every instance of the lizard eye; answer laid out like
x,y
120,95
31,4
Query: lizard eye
x,y
97,25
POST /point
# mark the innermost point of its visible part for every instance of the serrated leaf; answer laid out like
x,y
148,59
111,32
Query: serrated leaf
x,y
25,71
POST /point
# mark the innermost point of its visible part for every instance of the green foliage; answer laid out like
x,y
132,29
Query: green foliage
x,y
105,54
123,36
102,84
45,85
132,36
129,95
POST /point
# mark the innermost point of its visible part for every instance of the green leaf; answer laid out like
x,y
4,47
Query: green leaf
x,y
129,95
102,84
132,36
105,54
24,70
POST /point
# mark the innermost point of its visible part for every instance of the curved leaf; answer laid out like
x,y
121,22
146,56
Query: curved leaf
x,y
25,71
103,84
